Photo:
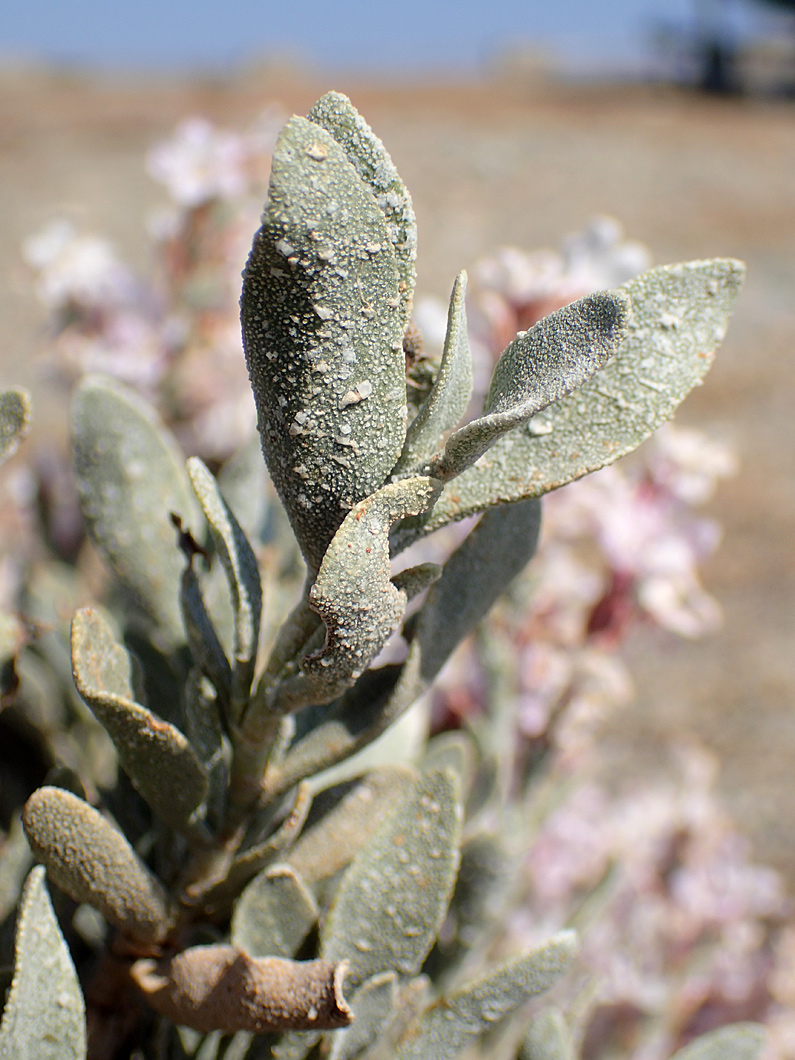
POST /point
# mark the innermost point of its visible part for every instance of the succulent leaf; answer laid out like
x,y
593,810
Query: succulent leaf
x,y
154,754
345,818
392,899
447,1027
481,568
738,1041
130,476
323,334
274,914
14,420
92,861
679,317
451,391
540,366
44,1016
354,595
336,114
242,572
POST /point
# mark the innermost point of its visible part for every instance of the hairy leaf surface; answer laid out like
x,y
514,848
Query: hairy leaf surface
x,y
337,115
679,317
392,899
540,366
44,1016
451,391
92,861
446,1028
323,334
131,477
154,754
242,572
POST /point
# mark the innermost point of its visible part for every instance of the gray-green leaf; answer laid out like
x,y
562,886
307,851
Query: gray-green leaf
x,y
274,914
392,899
354,595
480,569
372,1006
154,754
337,115
679,317
323,334
131,477
449,1025
242,572
344,819
540,366
451,391
44,1017
738,1041
547,1038
92,861
14,420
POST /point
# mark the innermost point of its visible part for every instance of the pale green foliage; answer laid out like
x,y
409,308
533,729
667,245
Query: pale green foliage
x,y
131,477
327,886
44,1017
92,861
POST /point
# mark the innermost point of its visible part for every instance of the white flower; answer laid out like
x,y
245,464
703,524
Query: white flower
x,y
200,163
77,269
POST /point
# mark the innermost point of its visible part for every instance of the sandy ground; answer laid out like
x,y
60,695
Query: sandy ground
x,y
526,164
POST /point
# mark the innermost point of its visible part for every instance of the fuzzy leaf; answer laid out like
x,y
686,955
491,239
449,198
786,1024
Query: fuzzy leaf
x,y
354,595
392,899
738,1041
242,572
154,754
478,899
453,1022
475,575
371,1005
540,366
547,1038
130,476
344,819
451,391
337,115
274,914
44,1016
679,317
92,861
14,420
323,334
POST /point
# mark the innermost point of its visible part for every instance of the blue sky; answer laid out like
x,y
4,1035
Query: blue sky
x,y
367,35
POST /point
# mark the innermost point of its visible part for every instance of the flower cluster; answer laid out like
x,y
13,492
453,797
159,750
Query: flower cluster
x,y
174,337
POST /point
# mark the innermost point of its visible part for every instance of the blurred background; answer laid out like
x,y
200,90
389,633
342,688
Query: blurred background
x,y
512,124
